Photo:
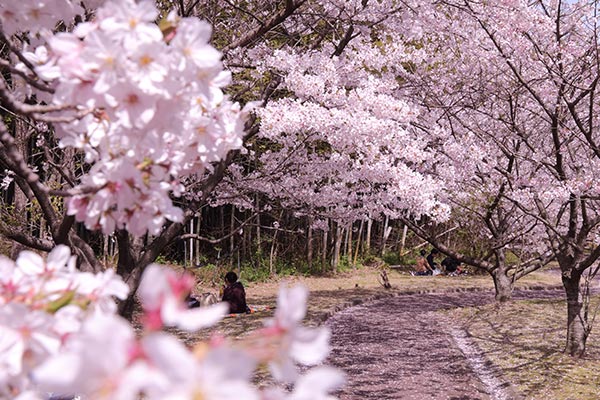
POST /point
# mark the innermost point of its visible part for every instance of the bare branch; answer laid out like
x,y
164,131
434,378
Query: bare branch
x,y
290,7
31,81
10,102
19,235
16,51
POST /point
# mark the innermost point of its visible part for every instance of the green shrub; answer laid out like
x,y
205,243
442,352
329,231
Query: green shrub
x,y
252,274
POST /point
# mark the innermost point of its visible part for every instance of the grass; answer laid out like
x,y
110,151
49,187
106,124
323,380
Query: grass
x,y
524,340
353,287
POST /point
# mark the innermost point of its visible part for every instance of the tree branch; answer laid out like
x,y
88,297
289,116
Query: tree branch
x,y
290,7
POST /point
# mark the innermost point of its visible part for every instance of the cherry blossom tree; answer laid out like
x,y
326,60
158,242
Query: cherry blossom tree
x,y
520,78
99,89
471,125
346,146
337,142
102,92
363,139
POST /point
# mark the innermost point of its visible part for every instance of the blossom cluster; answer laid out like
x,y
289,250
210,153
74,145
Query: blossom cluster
x,y
344,144
34,16
144,102
60,336
43,303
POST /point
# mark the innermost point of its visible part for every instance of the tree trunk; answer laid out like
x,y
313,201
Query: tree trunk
x,y
105,249
198,219
348,247
19,200
402,241
387,229
368,236
273,252
222,219
232,238
576,320
244,246
503,284
128,269
309,247
190,246
358,239
324,252
338,244
258,236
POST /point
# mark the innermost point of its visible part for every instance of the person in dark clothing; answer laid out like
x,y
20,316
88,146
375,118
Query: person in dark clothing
x,y
431,259
450,264
235,294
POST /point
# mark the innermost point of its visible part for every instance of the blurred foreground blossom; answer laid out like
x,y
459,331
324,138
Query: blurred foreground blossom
x,y
59,337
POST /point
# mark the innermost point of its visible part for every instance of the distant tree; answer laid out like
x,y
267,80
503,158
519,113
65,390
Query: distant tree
x,y
515,86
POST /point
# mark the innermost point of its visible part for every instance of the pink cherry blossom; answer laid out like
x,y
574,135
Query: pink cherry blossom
x,y
162,293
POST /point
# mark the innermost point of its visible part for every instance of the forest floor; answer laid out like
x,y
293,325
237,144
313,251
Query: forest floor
x,y
516,346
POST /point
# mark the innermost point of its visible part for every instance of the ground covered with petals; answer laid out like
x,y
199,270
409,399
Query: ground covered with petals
x,y
354,302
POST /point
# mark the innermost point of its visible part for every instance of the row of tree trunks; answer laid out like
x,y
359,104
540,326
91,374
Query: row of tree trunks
x,y
348,241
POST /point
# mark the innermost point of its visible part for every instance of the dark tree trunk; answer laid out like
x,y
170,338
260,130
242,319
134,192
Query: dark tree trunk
x,y
130,270
309,246
576,320
20,200
126,307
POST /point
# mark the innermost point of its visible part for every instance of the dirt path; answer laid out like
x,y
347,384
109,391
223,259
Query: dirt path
x,y
400,348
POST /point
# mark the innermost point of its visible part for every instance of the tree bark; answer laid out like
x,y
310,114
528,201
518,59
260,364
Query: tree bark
x,y
358,240
309,246
402,241
576,320
503,284
19,200
198,219
258,236
128,269
368,236
231,228
338,244
385,234
273,255
324,252
348,247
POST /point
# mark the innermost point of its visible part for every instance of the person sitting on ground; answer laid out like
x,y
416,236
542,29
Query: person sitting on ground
x,y
235,294
431,261
422,266
451,265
